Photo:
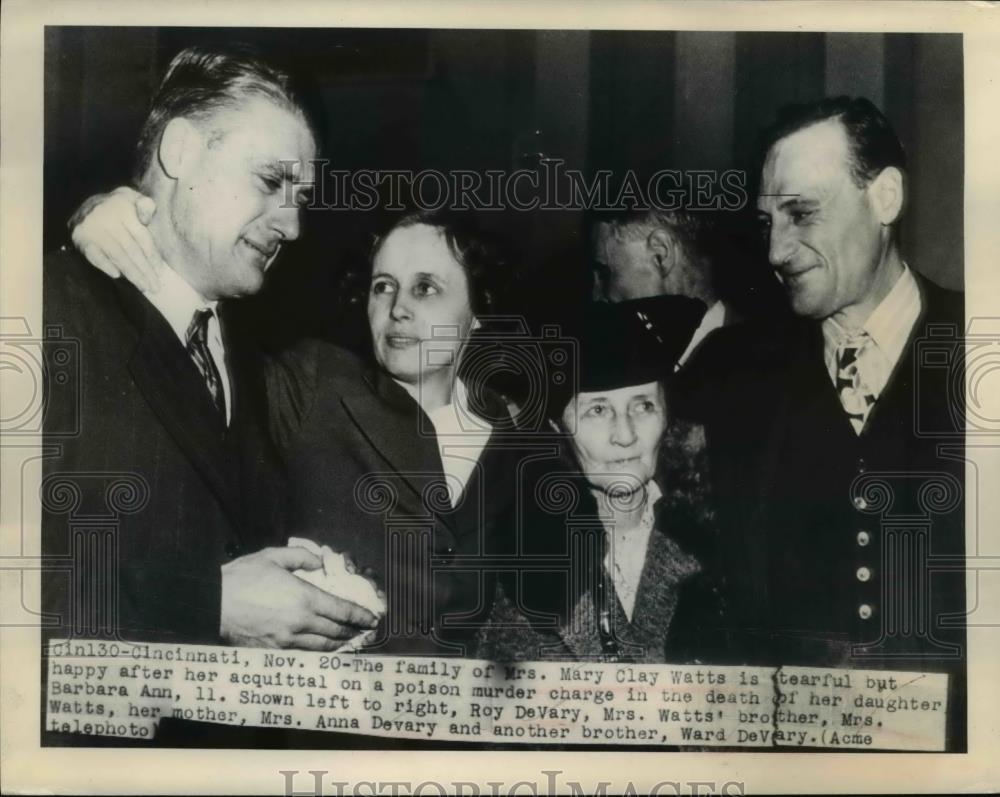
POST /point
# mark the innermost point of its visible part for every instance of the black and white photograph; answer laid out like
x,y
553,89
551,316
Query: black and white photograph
x,y
473,390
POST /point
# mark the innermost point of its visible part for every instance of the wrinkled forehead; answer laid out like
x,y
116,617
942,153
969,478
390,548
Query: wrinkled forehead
x,y
813,161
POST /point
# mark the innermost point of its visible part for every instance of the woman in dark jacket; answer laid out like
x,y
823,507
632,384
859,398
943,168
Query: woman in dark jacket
x,y
398,459
622,534
394,458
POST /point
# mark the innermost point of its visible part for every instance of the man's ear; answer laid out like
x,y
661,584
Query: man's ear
x,y
887,194
664,250
178,145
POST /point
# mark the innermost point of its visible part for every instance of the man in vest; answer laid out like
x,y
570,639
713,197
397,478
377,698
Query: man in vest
x,y
837,453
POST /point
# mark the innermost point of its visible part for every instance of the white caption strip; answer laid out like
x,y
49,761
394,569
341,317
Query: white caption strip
x,y
121,689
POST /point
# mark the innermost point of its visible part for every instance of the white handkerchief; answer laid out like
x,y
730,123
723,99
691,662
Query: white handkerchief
x,y
334,578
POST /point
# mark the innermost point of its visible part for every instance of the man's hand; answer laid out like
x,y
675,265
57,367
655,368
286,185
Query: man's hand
x,y
111,231
264,605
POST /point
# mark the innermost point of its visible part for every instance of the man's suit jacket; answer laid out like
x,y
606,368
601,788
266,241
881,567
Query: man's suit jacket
x,y
152,493
366,477
840,550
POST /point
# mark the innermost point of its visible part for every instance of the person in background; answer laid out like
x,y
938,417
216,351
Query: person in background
x,y
641,254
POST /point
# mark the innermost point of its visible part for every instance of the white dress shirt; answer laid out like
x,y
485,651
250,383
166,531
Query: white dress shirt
x,y
177,302
889,328
712,320
626,554
461,436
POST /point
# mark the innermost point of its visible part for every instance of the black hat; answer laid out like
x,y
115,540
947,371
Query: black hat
x,y
628,343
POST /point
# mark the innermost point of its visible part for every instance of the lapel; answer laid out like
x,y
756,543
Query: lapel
x,y
473,510
260,485
666,566
173,388
490,487
398,430
580,633
808,386
895,406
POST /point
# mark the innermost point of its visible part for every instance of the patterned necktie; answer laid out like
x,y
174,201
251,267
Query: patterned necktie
x,y
197,346
855,394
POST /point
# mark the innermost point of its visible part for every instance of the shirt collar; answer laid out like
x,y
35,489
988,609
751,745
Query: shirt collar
x,y
653,493
648,519
457,415
457,405
177,302
889,324
714,318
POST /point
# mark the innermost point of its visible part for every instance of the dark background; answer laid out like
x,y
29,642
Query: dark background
x,y
485,99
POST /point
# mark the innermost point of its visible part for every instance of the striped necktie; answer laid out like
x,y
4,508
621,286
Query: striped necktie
x,y
854,392
197,346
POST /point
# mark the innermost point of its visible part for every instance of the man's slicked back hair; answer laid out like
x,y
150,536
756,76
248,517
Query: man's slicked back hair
x,y
872,143
201,81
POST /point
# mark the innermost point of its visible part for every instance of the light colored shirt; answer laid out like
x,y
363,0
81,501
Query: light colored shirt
x,y
889,328
177,302
461,436
626,554
712,320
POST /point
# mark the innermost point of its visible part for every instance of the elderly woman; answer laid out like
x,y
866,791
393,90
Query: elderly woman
x,y
623,528
394,458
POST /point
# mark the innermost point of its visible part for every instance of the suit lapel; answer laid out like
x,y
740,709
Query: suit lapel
x,y
261,487
391,421
894,407
665,568
172,387
490,479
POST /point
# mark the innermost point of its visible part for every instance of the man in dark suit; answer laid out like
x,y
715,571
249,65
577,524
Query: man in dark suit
x,y
838,455
162,507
